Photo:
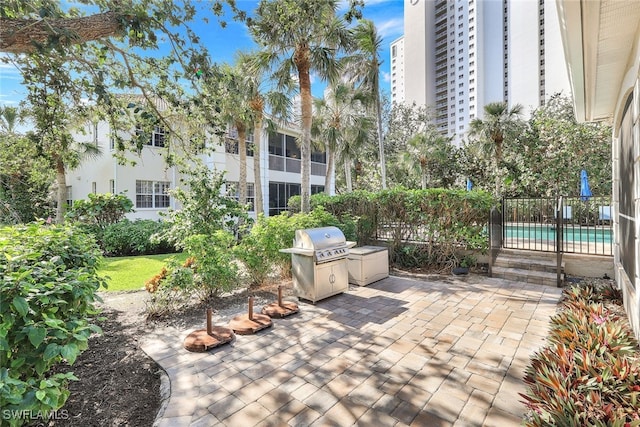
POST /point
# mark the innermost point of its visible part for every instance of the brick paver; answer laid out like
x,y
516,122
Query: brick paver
x,y
398,352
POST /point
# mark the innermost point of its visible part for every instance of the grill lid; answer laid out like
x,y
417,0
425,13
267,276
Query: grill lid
x,y
324,244
319,238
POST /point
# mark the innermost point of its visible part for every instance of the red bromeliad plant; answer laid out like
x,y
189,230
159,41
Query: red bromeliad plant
x,y
589,373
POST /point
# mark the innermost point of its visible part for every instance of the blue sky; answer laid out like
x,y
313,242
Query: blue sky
x,y
223,43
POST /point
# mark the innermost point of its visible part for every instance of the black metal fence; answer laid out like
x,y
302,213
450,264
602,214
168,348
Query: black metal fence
x,y
564,224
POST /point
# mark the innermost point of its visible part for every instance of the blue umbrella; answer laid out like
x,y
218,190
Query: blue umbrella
x,y
469,184
585,190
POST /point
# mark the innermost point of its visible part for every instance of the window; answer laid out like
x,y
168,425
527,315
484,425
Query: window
x,y
69,196
279,194
152,194
292,149
233,190
112,186
156,138
112,142
394,51
231,142
94,188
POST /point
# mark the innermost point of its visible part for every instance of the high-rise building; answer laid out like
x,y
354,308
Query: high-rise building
x,y
457,56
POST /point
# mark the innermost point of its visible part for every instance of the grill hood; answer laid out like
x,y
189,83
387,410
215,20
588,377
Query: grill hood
x,y
319,238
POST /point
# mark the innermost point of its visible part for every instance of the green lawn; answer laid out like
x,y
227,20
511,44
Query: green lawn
x,y
130,273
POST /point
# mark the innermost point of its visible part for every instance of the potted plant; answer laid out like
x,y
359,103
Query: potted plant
x,y
466,262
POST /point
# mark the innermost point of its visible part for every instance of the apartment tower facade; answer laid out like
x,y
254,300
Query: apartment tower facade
x,y
458,55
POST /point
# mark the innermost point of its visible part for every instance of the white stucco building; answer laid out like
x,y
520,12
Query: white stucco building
x,y
458,56
146,182
602,46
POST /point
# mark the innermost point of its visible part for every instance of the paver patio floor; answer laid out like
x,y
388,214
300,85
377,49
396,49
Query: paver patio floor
x,y
401,351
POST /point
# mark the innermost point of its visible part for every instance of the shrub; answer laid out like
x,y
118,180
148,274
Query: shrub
x,y
587,374
48,279
210,271
100,209
126,238
260,249
437,224
205,208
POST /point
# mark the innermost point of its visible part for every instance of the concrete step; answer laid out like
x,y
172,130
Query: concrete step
x,y
527,260
536,277
527,266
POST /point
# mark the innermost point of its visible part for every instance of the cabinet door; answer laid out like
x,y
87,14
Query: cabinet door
x,y
331,278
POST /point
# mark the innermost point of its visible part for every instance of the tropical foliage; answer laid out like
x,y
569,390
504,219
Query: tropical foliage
x,y
588,373
48,280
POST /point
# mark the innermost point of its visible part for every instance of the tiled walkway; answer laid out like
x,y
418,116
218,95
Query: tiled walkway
x,y
401,351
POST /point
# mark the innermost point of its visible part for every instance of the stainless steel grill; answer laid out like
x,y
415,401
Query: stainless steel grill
x,y
319,262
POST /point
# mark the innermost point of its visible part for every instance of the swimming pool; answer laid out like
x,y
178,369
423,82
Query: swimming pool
x,y
548,233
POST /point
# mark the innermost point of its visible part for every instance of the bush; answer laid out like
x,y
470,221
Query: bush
x,y
260,250
210,271
48,283
100,209
127,238
587,374
435,224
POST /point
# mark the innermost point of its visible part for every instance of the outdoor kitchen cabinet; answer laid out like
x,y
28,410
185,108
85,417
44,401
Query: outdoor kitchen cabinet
x,y
326,280
368,264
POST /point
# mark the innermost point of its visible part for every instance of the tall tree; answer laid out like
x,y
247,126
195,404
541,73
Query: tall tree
x,y
57,52
262,98
432,156
300,37
364,66
340,122
231,87
500,122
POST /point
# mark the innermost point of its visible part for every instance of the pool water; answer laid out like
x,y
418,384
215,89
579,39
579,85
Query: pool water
x,y
571,233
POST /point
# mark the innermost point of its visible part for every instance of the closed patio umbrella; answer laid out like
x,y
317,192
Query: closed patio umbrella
x,y
585,190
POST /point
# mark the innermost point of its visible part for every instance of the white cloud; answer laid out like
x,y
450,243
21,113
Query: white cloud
x,y
386,77
390,27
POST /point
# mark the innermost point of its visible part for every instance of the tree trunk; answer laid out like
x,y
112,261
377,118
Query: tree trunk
x,y
383,166
301,59
347,175
498,143
331,160
242,151
61,180
257,170
424,179
22,35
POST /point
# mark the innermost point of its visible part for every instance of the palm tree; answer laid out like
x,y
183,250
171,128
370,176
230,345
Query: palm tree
x,y
259,97
10,117
232,88
499,122
339,122
298,37
425,153
364,66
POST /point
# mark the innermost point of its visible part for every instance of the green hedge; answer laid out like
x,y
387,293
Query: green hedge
x,y
431,226
48,280
126,238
